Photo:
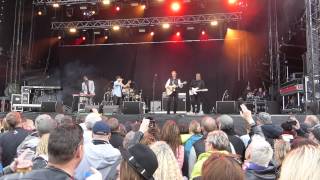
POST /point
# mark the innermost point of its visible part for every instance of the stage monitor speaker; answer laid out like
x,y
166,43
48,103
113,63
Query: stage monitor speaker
x,y
181,104
111,109
48,106
130,107
16,99
226,107
88,108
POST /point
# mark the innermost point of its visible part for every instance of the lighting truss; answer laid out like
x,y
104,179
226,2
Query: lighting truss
x,y
63,2
149,21
313,45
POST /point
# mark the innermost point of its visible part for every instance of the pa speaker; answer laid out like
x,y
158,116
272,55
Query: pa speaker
x,y
111,109
132,107
226,107
48,106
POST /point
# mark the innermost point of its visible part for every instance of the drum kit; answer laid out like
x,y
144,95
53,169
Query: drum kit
x,y
128,94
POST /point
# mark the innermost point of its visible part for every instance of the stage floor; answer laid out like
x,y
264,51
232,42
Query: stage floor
x,y
182,119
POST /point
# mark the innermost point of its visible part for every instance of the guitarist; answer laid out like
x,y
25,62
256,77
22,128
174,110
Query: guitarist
x,y
196,98
172,84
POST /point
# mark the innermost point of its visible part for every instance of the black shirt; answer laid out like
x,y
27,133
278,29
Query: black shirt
x,y
9,141
197,84
116,140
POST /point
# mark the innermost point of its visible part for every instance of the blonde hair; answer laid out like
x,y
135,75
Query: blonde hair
x,y
42,148
281,148
168,167
194,127
301,163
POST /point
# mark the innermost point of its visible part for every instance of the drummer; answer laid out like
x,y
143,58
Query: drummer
x,y
118,87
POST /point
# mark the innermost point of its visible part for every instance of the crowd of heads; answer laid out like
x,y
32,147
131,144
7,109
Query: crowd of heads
x,y
99,147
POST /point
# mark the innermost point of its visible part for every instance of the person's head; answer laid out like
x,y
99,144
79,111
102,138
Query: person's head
x,y
174,74
13,120
139,163
208,124
101,131
28,124
59,118
281,148
198,76
91,119
301,163
264,118
300,141
126,140
217,141
259,151
168,167
118,78
42,147
225,167
44,124
260,89
66,120
314,135
311,120
170,133
194,127
65,146
85,78
226,123
114,124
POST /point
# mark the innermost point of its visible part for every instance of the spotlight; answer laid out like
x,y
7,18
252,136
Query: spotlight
x,y
106,2
83,38
178,34
39,13
203,33
152,33
59,37
214,23
118,8
175,6
116,28
232,1
55,5
72,30
166,26
143,7
106,37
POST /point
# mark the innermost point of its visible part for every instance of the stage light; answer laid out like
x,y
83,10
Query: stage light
x,y
106,37
59,37
118,8
106,2
116,28
143,7
166,26
83,38
214,23
39,13
72,30
152,33
175,6
55,5
93,12
178,34
232,1
203,33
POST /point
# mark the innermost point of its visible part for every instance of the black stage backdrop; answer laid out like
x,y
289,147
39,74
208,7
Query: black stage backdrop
x,y
141,62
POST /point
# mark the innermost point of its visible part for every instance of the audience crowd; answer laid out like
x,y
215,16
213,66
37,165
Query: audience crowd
x,y
101,148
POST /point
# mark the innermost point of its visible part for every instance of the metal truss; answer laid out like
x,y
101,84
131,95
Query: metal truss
x,y
64,2
313,47
150,21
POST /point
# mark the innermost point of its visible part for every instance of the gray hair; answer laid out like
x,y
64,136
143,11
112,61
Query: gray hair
x,y
226,122
45,124
208,124
219,140
264,118
259,151
91,119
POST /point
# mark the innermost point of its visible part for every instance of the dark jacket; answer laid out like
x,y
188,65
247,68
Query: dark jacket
x,y
237,143
116,140
266,174
41,174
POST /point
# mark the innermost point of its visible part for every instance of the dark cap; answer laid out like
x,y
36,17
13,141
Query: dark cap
x,y
316,132
101,128
142,159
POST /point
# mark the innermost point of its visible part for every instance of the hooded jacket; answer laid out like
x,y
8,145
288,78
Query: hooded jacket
x,y
268,173
104,157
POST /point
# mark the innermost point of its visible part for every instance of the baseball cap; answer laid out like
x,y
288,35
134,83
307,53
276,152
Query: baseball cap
x,y
101,128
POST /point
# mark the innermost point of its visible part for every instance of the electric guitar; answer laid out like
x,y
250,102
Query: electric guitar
x,y
194,91
172,88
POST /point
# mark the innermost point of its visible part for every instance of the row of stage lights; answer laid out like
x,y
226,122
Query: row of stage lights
x,y
175,6
151,33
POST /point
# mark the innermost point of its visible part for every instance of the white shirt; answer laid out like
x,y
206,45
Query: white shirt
x,y
90,85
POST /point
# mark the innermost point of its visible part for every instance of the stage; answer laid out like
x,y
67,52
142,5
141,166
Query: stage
x,y
182,119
